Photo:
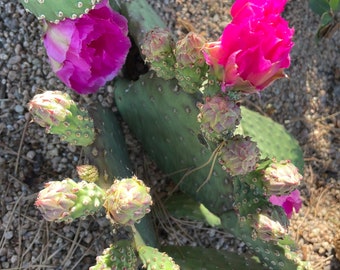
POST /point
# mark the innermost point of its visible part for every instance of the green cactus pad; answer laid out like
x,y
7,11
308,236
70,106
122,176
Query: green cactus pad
x,y
154,259
108,151
191,78
120,255
141,17
58,10
272,139
165,120
77,127
193,258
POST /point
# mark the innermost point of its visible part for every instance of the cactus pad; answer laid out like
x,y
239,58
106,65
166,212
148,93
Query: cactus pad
x,y
190,258
271,138
154,259
119,255
58,10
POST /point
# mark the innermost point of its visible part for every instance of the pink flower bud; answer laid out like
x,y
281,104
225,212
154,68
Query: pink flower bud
x,y
281,178
268,229
50,108
239,156
87,52
218,117
56,200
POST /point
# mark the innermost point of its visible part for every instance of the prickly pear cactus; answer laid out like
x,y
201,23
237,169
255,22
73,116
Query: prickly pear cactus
x,y
57,10
120,255
164,119
152,258
190,258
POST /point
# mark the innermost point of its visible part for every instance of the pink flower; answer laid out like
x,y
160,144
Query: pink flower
x,y
87,52
288,202
254,48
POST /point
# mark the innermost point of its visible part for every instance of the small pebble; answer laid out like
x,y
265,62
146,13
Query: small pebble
x,y
19,109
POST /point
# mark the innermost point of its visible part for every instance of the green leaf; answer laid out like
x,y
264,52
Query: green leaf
x,y
319,6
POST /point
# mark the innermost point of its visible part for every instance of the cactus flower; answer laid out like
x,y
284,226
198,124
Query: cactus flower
x,y
218,117
239,156
281,178
87,52
158,48
268,229
127,201
288,202
254,48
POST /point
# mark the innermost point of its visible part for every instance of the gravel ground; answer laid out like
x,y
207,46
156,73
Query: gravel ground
x,y
307,104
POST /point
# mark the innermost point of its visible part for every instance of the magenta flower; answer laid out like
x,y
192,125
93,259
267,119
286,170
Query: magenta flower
x,y
87,52
288,202
254,48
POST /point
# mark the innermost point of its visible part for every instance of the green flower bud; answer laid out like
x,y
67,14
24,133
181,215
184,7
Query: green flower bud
x,y
158,49
88,173
127,201
67,200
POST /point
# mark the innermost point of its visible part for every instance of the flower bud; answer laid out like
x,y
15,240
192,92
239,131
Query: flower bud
x,y
127,201
57,199
281,178
158,49
60,115
50,108
88,173
239,156
218,117
268,229
67,200
190,67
